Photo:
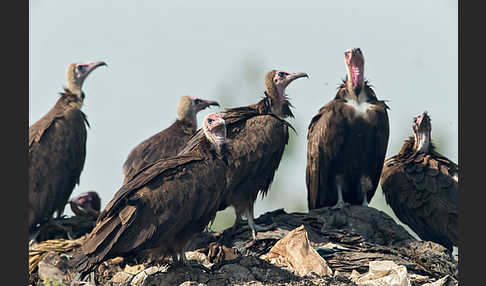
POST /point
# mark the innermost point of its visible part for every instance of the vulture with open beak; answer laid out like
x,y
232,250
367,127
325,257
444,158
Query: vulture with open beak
x,y
420,185
161,208
257,136
167,142
86,204
57,149
347,142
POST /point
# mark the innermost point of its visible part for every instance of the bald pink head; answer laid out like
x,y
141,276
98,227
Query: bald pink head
x,y
77,72
86,203
421,131
354,60
281,79
214,127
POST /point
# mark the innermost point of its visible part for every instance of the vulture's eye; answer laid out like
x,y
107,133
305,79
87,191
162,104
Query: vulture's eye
x,y
210,120
281,74
197,101
80,68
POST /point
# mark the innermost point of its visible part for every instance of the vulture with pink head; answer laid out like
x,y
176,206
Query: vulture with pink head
x,y
169,141
57,149
86,204
161,208
257,135
420,185
347,142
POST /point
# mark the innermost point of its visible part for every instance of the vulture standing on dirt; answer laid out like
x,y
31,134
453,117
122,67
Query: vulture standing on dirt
x,y
420,185
57,149
257,135
167,142
347,142
88,203
161,208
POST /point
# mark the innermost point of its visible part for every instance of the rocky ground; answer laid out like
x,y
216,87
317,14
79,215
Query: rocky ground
x,y
353,246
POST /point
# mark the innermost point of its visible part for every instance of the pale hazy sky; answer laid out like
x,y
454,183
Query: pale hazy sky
x,y
158,51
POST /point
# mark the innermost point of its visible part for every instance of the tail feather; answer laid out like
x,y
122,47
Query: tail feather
x,y
97,246
81,263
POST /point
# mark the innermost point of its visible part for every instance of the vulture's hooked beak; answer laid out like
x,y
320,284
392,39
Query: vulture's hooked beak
x,y
83,70
293,76
92,66
202,104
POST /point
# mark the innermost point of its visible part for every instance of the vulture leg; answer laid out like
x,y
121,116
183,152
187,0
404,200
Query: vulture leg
x,y
340,203
365,186
255,227
238,219
33,236
365,201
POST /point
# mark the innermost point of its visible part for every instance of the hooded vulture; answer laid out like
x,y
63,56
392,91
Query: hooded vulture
x,y
161,208
347,142
167,142
257,136
420,185
86,204
57,149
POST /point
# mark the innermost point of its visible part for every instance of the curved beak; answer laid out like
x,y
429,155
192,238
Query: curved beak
x,y
293,76
203,104
92,66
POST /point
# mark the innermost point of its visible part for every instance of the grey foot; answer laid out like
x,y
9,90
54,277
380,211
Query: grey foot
x,y
256,228
339,205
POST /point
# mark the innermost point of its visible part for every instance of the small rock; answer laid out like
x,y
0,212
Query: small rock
x,y
199,257
134,270
115,261
121,277
49,272
295,252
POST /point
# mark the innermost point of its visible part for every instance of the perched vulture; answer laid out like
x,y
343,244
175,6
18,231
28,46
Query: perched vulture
x,y
256,136
167,142
160,209
88,203
347,142
57,149
420,185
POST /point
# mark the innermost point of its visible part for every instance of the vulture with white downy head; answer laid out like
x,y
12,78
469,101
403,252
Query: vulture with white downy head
x,y
257,136
420,185
161,208
86,204
57,149
347,142
167,142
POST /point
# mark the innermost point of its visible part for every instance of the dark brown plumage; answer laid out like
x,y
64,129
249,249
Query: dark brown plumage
x,y
57,149
167,142
161,208
347,142
420,185
257,136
